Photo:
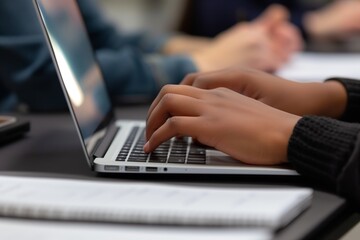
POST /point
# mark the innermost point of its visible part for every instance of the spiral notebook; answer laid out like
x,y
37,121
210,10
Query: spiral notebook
x,y
147,203
55,230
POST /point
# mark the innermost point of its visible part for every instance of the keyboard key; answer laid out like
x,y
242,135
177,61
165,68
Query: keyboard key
x,y
197,151
124,152
157,159
196,161
176,159
178,150
137,159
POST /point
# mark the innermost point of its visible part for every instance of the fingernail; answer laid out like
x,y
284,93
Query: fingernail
x,y
146,147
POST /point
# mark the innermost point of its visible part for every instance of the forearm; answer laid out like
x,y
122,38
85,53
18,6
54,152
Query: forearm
x,y
330,99
327,99
326,151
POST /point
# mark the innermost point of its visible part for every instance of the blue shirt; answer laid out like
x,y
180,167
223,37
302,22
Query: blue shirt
x,y
131,64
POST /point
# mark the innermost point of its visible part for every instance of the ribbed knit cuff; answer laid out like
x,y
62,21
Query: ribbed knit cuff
x,y
319,147
352,113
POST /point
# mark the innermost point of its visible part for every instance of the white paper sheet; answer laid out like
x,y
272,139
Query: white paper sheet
x,y
316,67
149,203
41,230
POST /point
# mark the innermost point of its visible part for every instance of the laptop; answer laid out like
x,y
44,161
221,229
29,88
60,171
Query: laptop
x,y
116,145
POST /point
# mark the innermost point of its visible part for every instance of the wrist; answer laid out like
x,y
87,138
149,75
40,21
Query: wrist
x,y
336,98
322,99
279,140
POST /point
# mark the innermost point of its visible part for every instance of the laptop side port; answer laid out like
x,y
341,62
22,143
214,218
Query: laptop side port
x,y
132,169
111,168
151,169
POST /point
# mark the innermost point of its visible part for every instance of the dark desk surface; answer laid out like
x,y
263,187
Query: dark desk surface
x,y
52,149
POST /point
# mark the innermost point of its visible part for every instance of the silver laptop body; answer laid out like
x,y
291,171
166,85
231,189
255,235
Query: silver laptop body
x,y
110,145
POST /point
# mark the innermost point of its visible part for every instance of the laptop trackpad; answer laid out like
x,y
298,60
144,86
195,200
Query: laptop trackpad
x,y
214,157
217,158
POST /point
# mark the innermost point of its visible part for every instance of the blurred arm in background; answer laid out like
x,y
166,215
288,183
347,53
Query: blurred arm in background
x,y
134,66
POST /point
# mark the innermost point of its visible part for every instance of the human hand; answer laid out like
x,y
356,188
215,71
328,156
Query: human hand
x,y
244,44
244,128
266,44
284,36
339,20
325,99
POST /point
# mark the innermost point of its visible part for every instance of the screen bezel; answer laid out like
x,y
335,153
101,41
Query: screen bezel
x,y
109,118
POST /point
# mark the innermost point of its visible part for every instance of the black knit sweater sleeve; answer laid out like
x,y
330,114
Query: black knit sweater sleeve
x,y
352,112
327,151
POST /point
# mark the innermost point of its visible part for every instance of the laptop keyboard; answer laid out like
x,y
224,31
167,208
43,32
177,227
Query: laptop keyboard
x,y
176,150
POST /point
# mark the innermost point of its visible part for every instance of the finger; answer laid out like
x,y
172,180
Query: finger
x,y
211,80
232,79
221,78
179,125
188,80
274,14
172,105
176,89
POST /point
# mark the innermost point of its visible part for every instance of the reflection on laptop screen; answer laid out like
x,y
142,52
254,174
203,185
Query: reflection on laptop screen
x,y
77,66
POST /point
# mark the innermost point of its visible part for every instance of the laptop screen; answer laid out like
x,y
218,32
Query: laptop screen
x,y
78,70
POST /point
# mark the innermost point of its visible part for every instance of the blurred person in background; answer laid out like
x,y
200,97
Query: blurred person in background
x,y
134,66
320,19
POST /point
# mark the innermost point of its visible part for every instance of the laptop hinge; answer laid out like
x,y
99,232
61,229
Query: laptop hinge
x,y
105,142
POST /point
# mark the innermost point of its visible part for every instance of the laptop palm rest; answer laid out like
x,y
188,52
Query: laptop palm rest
x,y
217,158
